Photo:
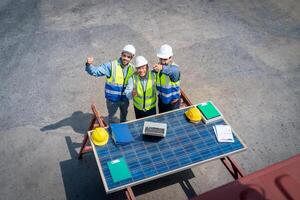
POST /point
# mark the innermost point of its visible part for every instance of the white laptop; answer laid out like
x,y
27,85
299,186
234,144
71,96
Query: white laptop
x,y
155,129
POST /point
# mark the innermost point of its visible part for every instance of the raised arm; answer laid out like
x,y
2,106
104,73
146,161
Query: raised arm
x,y
172,71
97,71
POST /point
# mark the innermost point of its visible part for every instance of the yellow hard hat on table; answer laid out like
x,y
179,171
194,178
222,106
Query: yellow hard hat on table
x,y
193,114
100,136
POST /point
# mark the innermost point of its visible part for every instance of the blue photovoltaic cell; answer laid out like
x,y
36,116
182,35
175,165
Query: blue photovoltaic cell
x,y
147,157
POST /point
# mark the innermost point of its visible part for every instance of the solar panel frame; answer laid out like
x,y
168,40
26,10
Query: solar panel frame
x,y
139,149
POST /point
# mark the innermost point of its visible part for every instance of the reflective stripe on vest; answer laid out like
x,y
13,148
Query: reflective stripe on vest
x,y
145,100
167,89
115,85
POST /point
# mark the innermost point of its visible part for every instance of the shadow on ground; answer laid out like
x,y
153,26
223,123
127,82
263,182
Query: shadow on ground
x,y
181,178
79,122
82,179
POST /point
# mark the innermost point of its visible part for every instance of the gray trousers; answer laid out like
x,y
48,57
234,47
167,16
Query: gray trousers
x,y
112,108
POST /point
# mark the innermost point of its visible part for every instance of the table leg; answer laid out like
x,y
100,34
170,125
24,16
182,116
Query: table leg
x,y
97,121
129,193
232,166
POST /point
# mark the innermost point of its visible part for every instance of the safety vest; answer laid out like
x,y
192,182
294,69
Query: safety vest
x,y
145,100
115,85
167,90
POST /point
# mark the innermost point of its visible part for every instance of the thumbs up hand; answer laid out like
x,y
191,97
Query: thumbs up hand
x,y
134,93
89,60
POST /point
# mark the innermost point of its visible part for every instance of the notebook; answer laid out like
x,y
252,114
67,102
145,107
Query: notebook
x,y
118,169
121,133
208,110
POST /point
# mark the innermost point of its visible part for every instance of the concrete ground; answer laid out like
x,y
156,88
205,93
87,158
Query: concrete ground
x,y
243,55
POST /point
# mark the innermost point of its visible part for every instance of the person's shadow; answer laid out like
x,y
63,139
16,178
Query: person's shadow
x,y
79,121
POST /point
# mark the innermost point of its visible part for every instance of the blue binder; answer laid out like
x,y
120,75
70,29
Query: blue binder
x,y
121,133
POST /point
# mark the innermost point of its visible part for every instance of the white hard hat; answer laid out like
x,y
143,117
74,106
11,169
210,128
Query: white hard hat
x,y
165,51
130,49
140,61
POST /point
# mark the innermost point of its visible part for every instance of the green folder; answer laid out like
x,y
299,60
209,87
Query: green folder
x,y
208,110
118,169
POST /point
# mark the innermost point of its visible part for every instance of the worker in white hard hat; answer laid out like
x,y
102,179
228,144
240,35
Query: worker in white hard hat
x,y
168,80
141,88
117,73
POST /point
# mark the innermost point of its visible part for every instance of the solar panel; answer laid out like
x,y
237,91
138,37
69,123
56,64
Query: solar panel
x,y
185,145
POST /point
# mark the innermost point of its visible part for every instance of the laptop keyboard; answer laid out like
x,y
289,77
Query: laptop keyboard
x,y
154,130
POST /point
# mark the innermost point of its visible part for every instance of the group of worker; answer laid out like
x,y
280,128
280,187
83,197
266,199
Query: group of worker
x,y
145,86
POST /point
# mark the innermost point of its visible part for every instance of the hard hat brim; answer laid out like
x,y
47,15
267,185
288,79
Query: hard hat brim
x,y
128,52
195,121
141,65
163,56
101,143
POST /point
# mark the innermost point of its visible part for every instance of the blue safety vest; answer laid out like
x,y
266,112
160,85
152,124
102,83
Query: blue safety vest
x,y
167,90
115,85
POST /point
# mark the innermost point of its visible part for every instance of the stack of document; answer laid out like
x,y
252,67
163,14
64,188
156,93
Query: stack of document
x,y
121,133
223,133
208,110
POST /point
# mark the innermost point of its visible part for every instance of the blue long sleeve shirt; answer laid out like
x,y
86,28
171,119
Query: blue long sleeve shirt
x,y
103,69
172,71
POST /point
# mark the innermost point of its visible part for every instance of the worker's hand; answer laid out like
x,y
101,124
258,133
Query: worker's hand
x,y
174,101
89,60
157,67
134,93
